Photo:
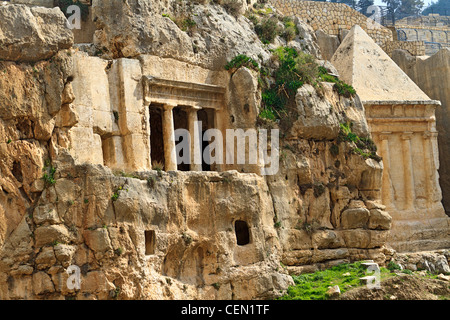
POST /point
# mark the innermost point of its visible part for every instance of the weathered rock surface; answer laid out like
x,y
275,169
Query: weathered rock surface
x,y
32,34
141,28
435,262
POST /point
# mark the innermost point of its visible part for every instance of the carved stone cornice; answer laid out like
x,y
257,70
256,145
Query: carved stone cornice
x,y
182,93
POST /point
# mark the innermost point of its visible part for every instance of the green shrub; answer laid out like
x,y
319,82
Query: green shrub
x,y
344,89
364,146
116,194
307,67
393,266
186,24
290,29
49,174
271,99
328,78
268,113
295,69
233,7
267,30
253,18
242,60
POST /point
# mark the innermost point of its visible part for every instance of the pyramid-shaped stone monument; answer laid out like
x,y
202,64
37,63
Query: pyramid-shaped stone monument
x,y
374,75
401,118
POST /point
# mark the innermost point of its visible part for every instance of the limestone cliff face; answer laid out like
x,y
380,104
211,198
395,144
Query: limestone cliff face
x,y
71,125
148,27
326,197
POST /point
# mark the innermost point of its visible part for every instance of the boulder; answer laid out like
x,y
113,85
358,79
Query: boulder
x,y
139,27
316,116
328,44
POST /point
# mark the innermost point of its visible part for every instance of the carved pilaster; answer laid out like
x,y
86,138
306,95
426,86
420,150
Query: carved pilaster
x,y
408,179
386,190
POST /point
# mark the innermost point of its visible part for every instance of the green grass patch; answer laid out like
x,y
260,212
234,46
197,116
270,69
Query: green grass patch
x,y
313,286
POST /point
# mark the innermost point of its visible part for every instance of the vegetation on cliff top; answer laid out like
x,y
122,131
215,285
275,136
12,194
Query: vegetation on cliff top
x,y
294,68
268,25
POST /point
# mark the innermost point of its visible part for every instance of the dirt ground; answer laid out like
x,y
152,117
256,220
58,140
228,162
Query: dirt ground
x,y
403,287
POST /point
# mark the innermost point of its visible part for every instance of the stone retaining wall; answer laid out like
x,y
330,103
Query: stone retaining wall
x,y
415,48
332,18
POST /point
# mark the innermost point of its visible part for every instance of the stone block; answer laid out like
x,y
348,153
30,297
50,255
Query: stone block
x,y
86,146
42,283
98,240
379,220
50,235
357,238
136,149
46,258
355,218
327,239
46,214
64,253
90,84
113,152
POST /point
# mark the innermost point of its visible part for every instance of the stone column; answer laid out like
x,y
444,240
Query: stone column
x,y
169,138
196,142
386,192
408,178
431,166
